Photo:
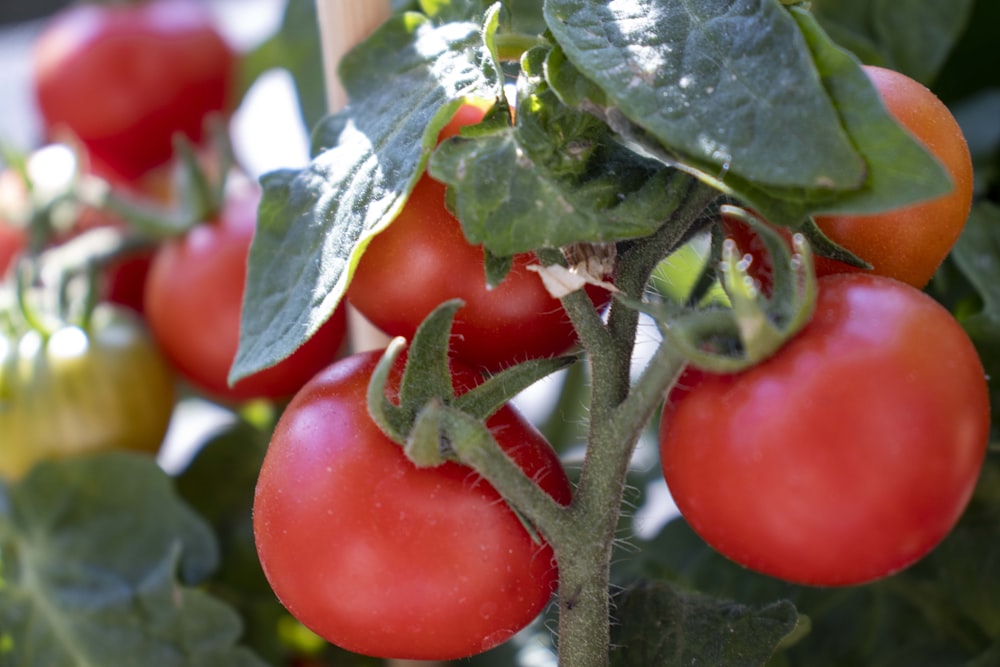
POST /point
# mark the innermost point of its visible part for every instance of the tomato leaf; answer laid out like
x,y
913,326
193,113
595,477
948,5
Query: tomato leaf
x,y
977,256
701,79
900,170
662,625
910,36
889,168
556,177
101,547
219,484
403,82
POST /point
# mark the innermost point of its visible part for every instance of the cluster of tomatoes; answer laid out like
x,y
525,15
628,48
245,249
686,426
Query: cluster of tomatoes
x,y
869,461
169,315
121,88
447,569
853,451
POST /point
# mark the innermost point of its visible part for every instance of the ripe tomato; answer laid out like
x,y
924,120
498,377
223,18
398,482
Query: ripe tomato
x,y
383,558
82,390
12,240
125,77
849,454
193,302
13,208
910,243
424,259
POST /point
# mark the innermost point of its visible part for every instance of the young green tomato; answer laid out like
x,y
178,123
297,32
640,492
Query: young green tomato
x,y
387,559
846,456
82,390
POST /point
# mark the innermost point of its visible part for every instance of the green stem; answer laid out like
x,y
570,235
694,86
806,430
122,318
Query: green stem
x,y
617,418
582,535
476,447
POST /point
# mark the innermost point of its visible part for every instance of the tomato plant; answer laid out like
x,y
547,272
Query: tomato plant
x,y
871,458
124,78
909,243
414,563
193,299
82,389
825,437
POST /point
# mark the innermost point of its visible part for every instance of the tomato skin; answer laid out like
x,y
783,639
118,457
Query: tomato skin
x,y
424,259
123,78
910,243
848,455
82,391
12,242
193,302
386,559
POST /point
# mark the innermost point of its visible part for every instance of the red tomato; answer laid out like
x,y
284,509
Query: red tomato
x,y
423,259
386,559
193,301
845,457
13,206
125,77
12,240
910,243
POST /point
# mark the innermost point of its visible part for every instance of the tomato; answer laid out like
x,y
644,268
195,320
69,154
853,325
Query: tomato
x,y
12,241
14,208
849,454
386,559
424,259
193,302
909,243
82,390
125,77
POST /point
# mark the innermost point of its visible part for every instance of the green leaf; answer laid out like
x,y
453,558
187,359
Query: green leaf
x,y
900,170
559,176
99,557
977,256
219,484
403,82
910,36
301,51
896,169
728,84
662,625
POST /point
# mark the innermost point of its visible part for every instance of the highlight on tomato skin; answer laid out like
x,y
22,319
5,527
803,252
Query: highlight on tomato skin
x,y
847,456
386,559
